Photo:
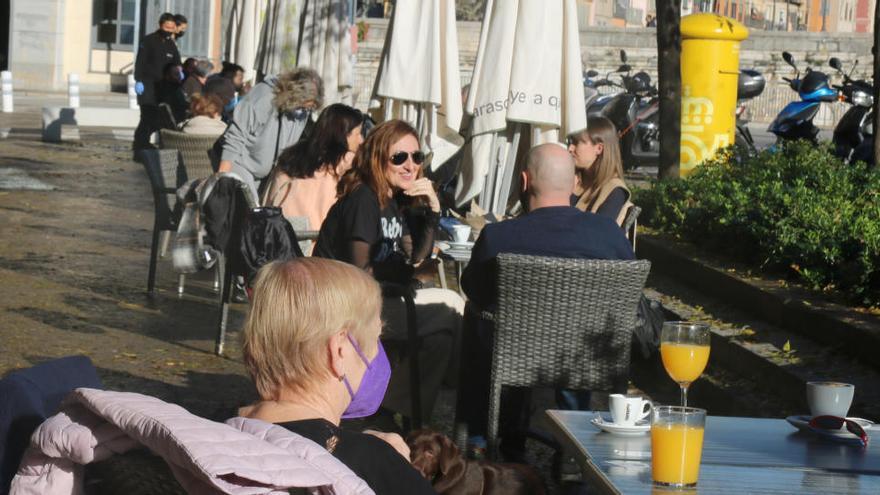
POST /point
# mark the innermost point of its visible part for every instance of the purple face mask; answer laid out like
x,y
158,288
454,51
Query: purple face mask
x,y
366,401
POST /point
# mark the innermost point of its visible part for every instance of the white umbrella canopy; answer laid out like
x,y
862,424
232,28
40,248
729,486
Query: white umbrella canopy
x,y
243,35
527,83
418,79
325,45
279,36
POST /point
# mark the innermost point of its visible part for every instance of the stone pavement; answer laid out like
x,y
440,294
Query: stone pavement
x,y
74,247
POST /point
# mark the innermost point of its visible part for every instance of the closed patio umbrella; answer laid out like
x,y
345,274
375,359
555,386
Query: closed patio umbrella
x,y
309,33
325,45
527,85
278,38
243,34
418,79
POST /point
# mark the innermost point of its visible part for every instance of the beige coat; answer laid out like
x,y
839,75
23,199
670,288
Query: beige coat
x,y
592,202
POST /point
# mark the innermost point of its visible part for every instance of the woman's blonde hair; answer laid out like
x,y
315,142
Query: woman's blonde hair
x,y
296,307
608,164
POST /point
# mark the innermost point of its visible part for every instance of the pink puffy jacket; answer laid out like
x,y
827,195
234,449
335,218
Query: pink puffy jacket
x,y
242,457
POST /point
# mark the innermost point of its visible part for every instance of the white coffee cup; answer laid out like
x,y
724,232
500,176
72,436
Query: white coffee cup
x,y
628,410
830,398
461,232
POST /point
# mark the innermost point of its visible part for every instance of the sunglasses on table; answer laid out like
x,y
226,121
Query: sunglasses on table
x,y
399,158
835,423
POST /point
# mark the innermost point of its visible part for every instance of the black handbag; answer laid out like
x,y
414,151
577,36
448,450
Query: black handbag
x,y
266,235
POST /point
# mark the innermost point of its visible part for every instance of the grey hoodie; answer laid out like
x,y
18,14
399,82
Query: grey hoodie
x,y
250,140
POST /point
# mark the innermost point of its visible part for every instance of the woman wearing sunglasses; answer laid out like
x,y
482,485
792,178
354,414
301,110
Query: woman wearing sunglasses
x,y
384,222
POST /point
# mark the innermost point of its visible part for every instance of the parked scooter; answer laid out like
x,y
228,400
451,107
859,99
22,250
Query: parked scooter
x,y
855,127
795,121
750,84
634,112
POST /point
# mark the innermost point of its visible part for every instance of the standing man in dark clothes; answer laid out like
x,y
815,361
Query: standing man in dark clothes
x,y
155,53
182,23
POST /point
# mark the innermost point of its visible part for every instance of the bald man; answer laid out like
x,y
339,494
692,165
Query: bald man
x,y
551,228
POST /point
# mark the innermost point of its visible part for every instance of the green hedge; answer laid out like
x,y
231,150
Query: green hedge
x,y
798,210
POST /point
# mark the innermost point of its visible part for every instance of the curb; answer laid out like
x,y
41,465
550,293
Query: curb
x,y
824,322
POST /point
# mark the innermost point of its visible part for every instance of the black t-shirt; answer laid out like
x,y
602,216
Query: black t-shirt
x,y
372,459
358,217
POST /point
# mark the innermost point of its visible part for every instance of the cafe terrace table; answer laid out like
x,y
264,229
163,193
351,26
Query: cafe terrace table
x,y
740,456
459,256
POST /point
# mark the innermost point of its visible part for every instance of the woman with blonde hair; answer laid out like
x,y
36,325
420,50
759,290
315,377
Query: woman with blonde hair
x,y
600,186
311,345
384,223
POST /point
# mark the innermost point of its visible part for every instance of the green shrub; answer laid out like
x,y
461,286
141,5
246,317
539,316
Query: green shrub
x,y
798,210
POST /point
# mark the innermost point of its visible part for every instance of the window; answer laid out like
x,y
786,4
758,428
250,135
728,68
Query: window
x,y
113,24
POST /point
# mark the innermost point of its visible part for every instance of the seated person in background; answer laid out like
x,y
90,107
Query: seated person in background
x,y
235,73
308,172
168,91
384,222
205,110
189,66
600,187
311,345
195,81
552,227
222,88
269,119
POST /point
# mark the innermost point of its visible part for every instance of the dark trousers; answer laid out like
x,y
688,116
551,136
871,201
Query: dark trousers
x,y
148,124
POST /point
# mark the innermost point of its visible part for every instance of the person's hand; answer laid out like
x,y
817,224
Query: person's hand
x,y
424,187
139,88
392,439
225,166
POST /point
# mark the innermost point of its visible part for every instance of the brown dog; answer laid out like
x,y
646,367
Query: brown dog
x,y
438,459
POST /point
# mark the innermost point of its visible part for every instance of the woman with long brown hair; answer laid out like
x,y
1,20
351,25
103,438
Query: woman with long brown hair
x,y
384,222
600,187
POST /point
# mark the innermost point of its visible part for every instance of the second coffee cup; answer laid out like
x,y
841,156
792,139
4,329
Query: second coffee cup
x,y
829,398
628,410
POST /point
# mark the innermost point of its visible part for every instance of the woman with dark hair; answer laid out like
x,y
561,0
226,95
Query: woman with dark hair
x,y
384,222
308,172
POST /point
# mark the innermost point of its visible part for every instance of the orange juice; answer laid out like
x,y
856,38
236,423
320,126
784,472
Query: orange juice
x,y
684,362
675,453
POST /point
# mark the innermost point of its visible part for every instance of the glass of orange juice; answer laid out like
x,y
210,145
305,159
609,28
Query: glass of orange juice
x,y
684,349
676,445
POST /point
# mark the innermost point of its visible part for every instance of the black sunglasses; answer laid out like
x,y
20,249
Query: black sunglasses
x,y
399,158
835,423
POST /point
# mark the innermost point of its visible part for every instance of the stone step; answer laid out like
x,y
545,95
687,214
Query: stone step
x,y
801,312
773,362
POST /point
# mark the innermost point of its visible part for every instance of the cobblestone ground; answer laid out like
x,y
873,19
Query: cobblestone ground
x,y
73,259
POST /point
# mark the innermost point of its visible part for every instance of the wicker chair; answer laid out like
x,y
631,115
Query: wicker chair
x,y
166,175
630,224
562,323
195,151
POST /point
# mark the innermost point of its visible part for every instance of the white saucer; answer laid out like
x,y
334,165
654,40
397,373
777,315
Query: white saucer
x,y
441,245
802,422
460,245
640,428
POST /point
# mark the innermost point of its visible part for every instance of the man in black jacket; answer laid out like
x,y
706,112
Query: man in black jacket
x,y
156,51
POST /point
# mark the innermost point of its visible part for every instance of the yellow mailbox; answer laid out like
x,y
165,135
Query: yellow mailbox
x,y
709,74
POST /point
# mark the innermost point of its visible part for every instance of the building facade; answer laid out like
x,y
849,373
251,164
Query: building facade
x,y
49,39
